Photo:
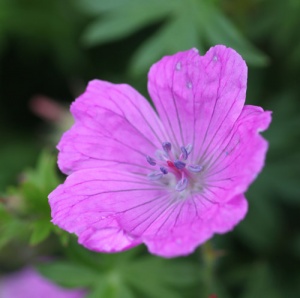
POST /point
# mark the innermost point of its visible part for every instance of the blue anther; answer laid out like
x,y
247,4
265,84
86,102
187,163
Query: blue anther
x,y
167,146
156,175
179,164
164,170
151,160
195,168
184,153
182,184
189,148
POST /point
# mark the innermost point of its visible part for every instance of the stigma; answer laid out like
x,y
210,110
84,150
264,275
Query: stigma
x,y
174,162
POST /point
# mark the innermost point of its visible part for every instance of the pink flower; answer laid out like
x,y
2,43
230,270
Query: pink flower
x,y
27,283
169,179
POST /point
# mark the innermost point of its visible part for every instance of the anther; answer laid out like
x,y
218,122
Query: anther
x,y
155,175
164,170
182,184
178,66
167,146
151,160
195,168
184,153
189,148
179,164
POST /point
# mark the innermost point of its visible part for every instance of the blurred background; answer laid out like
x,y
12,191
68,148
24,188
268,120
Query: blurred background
x,y
49,50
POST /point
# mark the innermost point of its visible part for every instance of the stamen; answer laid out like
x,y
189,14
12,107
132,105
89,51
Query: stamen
x,y
168,161
151,160
195,168
155,175
184,153
164,170
182,184
189,148
167,146
179,164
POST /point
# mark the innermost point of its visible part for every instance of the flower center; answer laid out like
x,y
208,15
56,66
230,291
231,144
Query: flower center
x,y
176,163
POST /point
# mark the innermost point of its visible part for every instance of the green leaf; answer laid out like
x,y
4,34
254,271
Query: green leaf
x,y
68,274
162,276
219,30
38,183
44,175
41,230
64,236
177,35
125,20
110,287
10,227
101,6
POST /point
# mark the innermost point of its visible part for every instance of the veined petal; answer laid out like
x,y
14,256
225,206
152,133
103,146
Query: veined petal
x,y
171,226
228,215
197,226
199,98
91,202
114,126
235,163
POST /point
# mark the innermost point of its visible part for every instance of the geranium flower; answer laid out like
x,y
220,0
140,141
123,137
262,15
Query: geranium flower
x,y
28,283
171,178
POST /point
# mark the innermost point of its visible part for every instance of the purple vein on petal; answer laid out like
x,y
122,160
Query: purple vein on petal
x,y
176,108
134,127
204,155
167,203
224,168
213,165
143,204
146,121
110,191
210,162
172,138
167,218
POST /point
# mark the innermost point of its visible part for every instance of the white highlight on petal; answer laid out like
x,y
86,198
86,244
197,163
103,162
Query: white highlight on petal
x,y
195,50
178,66
215,58
189,85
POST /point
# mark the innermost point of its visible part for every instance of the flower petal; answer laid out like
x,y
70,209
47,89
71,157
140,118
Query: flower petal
x,y
29,283
171,226
194,229
236,162
199,98
91,202
114,126
228,215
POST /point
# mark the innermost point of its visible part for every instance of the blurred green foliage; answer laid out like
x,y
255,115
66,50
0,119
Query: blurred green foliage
x,y
54,47
184,24
122,275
